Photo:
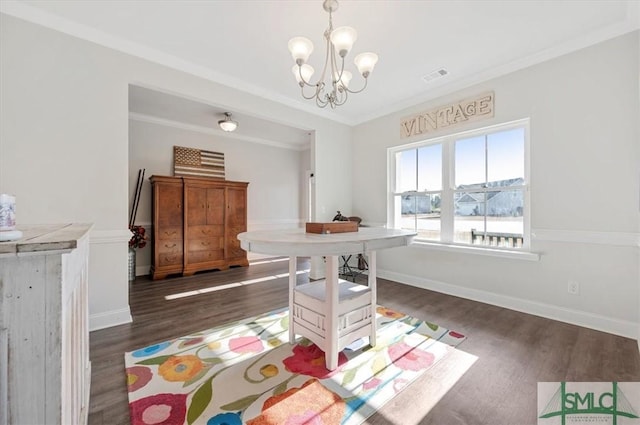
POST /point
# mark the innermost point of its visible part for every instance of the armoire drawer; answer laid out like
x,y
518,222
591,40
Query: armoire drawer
x,y
170,233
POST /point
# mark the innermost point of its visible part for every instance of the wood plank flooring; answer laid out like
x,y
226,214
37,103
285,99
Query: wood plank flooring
x,y
514,350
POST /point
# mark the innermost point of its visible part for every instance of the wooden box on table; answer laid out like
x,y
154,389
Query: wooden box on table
x,y
333,227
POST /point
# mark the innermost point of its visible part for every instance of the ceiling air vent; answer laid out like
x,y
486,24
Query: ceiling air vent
x,y
434,75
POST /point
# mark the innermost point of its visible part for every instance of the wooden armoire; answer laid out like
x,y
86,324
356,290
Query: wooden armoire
x,y
196,221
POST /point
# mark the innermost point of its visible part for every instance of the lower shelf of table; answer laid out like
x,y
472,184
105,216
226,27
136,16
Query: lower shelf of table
x,y
354,317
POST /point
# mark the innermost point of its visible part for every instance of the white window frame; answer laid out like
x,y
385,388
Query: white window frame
x,y
448,189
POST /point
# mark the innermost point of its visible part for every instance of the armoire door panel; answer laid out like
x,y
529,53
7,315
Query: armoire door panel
x,y
215,206
196,212
169,205
236,207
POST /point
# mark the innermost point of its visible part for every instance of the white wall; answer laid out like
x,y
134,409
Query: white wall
x,y
274,174
584,109
64,141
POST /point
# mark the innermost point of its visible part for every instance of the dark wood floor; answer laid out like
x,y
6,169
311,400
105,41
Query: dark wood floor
x,y
515,351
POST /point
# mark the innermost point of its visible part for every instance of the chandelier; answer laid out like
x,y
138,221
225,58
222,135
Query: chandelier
x,y
340,41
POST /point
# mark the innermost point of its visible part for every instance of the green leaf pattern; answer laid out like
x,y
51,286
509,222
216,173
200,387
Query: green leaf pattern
x,y
200,401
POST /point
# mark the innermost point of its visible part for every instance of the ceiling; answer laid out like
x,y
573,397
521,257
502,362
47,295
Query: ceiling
x,y
150,105
243,43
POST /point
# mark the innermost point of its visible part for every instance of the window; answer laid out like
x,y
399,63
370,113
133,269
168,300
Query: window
x,y
469,188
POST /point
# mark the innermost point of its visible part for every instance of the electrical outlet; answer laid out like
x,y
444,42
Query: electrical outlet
x,y
573,287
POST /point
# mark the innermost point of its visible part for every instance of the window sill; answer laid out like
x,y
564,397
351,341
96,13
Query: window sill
x,y
476,250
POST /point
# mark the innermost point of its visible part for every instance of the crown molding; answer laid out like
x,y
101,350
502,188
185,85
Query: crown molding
x,y
41,17
630,24
212,131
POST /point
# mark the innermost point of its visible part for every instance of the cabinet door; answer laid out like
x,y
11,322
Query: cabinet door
x,y
236,220
169,204
205,224
196,198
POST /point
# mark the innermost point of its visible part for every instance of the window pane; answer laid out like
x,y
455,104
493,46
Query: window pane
x,y
406,171
505,157
505,224
430,168
470,161
422,214
408,207
428,217
468,217
504,221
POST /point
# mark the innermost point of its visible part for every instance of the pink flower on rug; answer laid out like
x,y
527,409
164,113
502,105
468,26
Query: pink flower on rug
x,y
410,358
246,344
399,384
371,383
159,409
191,341
310,361
138,377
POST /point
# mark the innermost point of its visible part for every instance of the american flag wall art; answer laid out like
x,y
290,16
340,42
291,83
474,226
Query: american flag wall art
x,y
195,162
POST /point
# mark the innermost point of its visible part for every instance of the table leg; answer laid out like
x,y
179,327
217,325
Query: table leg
x,y
292,285
374,299
331,302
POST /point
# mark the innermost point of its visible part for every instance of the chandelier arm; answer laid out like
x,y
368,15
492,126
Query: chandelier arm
x,y
335,68
342,98
327,55
320,103
366,80
317,91
304,82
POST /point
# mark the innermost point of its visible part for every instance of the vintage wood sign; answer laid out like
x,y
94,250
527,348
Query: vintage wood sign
x,y
468,110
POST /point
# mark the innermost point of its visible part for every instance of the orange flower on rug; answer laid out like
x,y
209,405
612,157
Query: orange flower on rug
x,y
312,403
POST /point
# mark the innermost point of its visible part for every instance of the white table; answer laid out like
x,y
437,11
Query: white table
x,y
296,243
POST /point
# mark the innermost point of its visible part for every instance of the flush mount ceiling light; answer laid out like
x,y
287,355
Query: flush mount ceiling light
x,y
227,124
340,41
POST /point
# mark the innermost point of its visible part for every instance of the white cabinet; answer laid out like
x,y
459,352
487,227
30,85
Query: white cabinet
x,y
45,371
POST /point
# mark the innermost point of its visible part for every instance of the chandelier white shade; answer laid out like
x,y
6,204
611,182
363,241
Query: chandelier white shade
x,y
300,48
339,43
227,124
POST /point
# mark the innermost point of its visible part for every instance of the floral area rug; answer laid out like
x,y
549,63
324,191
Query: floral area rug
x,y
248,373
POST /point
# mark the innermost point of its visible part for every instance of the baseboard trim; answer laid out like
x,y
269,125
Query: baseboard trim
x,y
575,317
109,318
